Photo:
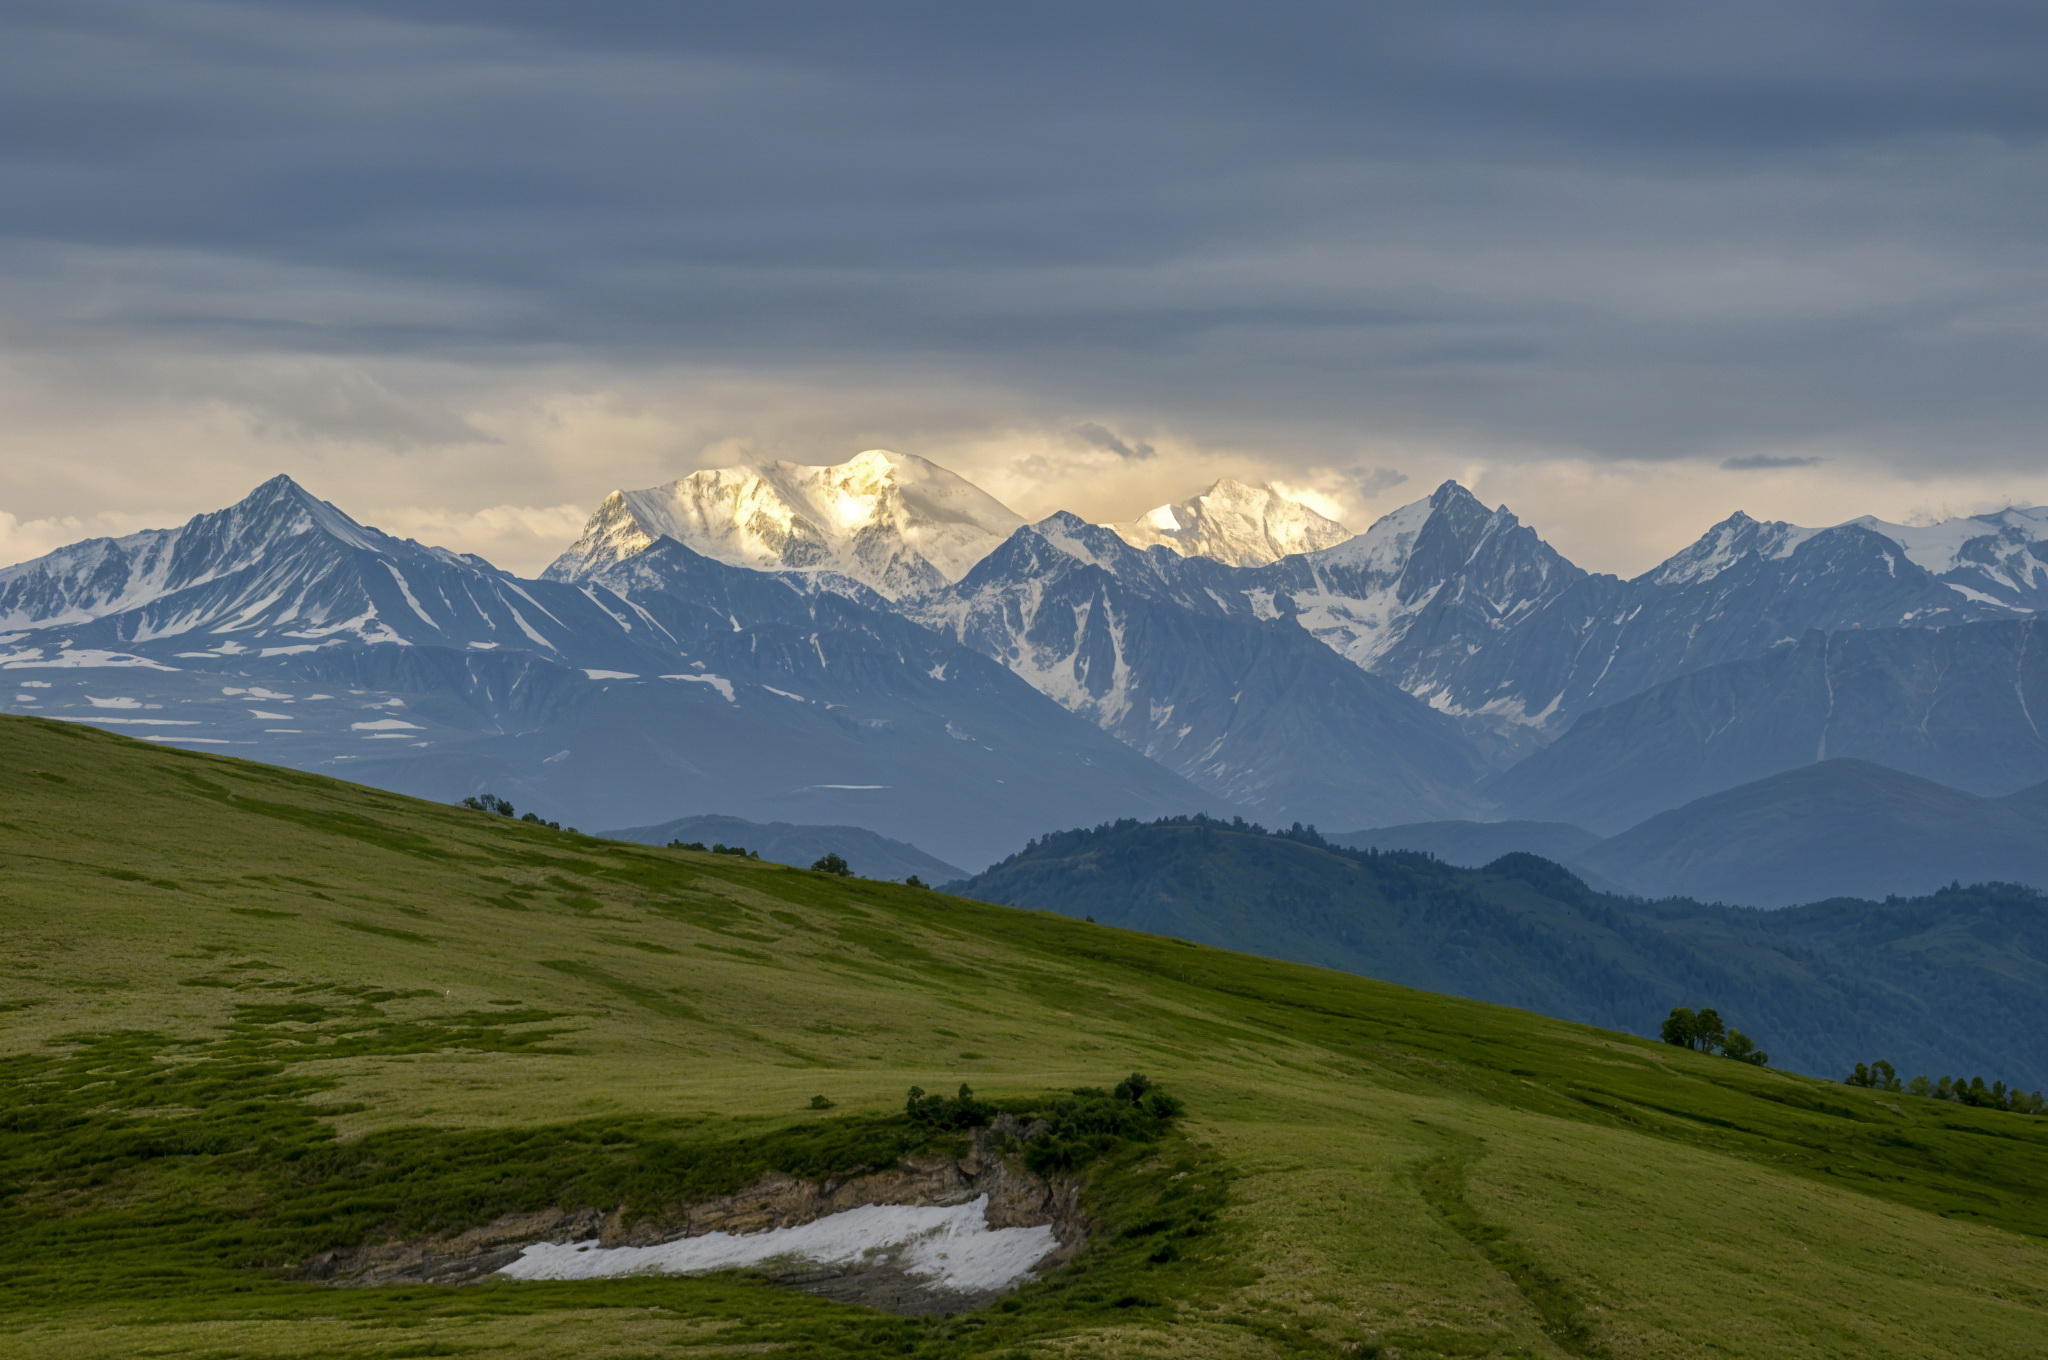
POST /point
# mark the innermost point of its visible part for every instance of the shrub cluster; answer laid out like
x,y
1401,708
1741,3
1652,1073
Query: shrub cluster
x,y
1704,1031
1091,1122
833,863
715,848
937,1112
491,802
1882,1076
1079,1127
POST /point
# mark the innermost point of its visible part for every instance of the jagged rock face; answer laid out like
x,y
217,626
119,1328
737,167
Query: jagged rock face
x,y
1469,610
1195,665
282,572
894,521
1244,526
1428,596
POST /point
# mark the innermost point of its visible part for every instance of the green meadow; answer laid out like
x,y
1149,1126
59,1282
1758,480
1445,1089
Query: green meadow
x,y
248,1015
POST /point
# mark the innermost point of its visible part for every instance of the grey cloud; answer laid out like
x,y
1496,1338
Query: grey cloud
x,y
1370,482
1756,462
349,406
1102,437
1623,230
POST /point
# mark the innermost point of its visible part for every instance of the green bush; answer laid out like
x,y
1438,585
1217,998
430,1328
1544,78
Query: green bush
x,y
937,1112
1091,1123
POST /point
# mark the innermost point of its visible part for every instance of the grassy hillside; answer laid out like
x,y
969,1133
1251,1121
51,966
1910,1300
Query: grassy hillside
x,y
250,1014
1956,983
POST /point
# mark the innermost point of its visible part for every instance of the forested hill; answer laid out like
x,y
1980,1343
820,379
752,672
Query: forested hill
x,y
1956,982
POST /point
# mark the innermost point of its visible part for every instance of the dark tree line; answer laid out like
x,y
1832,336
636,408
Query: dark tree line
x,y
491,802
1882,1076
716,848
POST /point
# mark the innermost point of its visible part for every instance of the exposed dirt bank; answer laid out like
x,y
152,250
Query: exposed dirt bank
x,y
1017,1198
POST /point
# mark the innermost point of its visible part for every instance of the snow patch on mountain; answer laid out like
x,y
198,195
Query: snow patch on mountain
x,y
895,522
1998,559
1721,547
1386,546
1998,544
1246,526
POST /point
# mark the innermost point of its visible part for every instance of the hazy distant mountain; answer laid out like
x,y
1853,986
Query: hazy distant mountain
x,y
867,854
1839,828
894,521
1961,705
1243,526
1476,844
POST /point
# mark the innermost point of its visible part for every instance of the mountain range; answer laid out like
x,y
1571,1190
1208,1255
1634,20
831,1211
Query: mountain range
x,y
880,644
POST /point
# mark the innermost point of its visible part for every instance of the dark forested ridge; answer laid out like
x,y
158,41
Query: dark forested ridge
x,y
1474,844
1953,981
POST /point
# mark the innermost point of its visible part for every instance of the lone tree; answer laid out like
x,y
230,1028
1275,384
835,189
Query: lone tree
x,y
832,863
491,802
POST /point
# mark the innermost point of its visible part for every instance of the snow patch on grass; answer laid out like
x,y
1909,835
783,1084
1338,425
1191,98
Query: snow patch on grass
x,y
950,1247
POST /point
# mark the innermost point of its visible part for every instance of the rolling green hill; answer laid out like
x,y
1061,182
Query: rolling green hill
x,y
251,1015
1955,983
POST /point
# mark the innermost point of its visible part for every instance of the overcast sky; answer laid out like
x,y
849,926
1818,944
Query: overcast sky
x,y
464,267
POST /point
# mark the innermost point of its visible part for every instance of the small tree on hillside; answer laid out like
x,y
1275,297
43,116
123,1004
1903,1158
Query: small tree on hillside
x,y
1742,1048
832,863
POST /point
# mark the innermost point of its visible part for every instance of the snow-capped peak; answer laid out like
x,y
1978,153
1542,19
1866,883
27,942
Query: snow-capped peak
x,y
898,522
1246,526
1943,547
1732,540
100,576
1996,550
1385,548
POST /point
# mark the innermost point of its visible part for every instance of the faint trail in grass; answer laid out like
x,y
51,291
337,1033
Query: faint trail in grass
x,y
657,1001
1558,1310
